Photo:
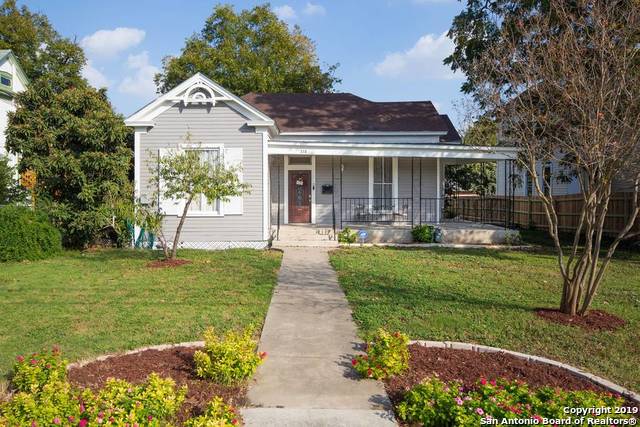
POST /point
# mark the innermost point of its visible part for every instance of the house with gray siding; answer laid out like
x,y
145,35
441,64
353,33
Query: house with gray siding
x,y
320,161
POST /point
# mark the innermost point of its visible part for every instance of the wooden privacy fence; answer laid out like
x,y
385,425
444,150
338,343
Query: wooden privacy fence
x,y
528,212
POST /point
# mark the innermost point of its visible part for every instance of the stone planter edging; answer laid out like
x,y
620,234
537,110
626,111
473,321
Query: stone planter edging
x,y
160,347
439,245
579,372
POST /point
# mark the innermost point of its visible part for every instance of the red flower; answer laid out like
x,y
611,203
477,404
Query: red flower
x,y
397,335
354,362
234,421
48,365
370,372
483,381
263,354
492,382
150,417
83,423
20,359
71,418
33,361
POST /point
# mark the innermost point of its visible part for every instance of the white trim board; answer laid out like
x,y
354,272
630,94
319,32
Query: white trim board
x,y
393,150
286,169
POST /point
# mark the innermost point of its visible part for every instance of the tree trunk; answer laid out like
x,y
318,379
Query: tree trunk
x,y
176,238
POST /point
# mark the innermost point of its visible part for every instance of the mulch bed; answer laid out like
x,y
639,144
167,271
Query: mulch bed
x,y
594,320
469,366
176,363
165,263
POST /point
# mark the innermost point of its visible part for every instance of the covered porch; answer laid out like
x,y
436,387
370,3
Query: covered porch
x,y
385,189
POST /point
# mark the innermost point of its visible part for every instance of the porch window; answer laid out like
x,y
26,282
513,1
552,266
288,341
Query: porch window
x,y
383,182
200,204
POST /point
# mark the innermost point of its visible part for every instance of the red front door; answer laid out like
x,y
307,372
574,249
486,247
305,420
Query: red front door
x,y
300,196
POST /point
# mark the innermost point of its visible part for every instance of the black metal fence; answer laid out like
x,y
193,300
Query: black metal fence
x,y
487,210
383,210
401,211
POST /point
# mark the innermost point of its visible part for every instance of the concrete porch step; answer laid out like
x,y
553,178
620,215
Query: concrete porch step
x,y
304,233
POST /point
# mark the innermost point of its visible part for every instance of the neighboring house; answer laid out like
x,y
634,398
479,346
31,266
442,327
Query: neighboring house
x,y
12,81
330,160
554,178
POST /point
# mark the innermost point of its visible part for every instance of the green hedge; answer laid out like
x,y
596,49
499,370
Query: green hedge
x,y
26,235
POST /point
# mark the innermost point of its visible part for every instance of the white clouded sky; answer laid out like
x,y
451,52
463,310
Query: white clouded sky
x,y
107,43
422,60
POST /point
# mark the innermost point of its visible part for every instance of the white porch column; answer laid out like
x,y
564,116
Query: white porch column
x,y
438,189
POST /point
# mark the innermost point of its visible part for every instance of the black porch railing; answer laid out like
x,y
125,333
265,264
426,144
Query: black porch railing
x,y
383,210
481,209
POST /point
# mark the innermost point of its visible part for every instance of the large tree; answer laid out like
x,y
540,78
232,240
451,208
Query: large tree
x,y
479,26
564,83
81,155
250,51
67,133
39,48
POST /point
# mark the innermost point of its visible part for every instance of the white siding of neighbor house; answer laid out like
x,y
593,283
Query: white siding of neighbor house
x,y
218,125
355,184
7,104
558,188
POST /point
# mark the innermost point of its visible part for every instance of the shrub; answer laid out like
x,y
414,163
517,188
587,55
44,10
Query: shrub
x,y
156,399
228,359
436,403
423,233
218,414
387,355
31,374
26,235
512,237
347,235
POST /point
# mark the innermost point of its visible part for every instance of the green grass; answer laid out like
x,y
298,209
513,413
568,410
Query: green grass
x,y
487,297
91,303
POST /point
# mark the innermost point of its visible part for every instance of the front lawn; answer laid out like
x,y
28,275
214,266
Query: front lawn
x,y
91,303
487,297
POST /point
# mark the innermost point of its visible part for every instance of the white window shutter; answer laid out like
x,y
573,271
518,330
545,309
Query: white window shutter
x,y
233,158
168,206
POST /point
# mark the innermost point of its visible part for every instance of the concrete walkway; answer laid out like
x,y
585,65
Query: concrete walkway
x,y
310,339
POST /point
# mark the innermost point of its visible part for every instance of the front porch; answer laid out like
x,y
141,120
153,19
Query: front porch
x,y
313,197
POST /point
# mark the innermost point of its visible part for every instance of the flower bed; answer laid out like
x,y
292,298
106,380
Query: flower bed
x,y
176,363
176,385
445,386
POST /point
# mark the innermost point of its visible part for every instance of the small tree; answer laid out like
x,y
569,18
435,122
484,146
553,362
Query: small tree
x,y
564,82
183,175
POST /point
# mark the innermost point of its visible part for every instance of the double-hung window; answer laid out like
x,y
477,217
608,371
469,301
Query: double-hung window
x,y
200,204
383,182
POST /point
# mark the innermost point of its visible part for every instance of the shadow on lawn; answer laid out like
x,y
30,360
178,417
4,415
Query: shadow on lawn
x,y
103,255
409,295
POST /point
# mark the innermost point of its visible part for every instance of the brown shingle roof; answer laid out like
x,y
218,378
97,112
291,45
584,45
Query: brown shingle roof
x,y
345,112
